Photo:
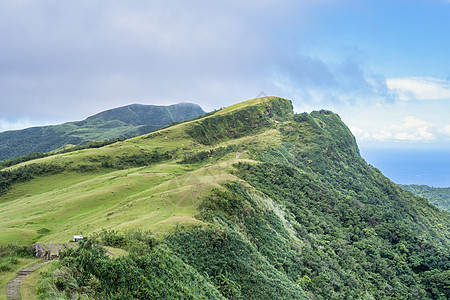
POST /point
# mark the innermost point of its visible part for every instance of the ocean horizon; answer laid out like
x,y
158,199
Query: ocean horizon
x,y
411,166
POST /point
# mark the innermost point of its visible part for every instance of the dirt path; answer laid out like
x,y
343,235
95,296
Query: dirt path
x,y
13,287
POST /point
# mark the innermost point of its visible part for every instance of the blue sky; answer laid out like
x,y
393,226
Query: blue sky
x,y
383,66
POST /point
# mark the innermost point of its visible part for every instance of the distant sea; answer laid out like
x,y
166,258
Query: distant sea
x,y
411,166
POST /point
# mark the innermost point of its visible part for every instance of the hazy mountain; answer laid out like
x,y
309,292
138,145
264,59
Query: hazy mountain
x,y
250,202
119,122
437,196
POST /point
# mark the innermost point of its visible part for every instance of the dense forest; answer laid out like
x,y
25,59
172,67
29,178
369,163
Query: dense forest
x,y
295,213
437,196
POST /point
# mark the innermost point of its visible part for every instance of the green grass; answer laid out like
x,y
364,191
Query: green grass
x,y
172,138
5,277
116,252
155,197
28,286
245,104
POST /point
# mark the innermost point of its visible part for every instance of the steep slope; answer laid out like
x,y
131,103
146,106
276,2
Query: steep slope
x,y
120,122
253,201
437,196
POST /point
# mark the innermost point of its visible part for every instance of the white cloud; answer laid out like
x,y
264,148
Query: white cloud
x,y
6,125
445,130
418,134
411,129
382,135
419,88
410,123
359,133
424,134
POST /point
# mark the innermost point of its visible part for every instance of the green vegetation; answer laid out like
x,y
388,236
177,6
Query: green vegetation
x,y
233,264
240,122
10,254
149,271
65,149
28,286
127,121
437,196
13,257
249,202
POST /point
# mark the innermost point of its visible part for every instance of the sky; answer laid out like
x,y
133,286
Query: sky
x,y
383,66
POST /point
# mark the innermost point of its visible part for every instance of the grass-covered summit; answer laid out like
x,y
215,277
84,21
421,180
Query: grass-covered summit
x,y
250,202
126,121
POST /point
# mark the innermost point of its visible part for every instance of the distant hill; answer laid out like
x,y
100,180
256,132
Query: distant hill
x,y
437,196
126,121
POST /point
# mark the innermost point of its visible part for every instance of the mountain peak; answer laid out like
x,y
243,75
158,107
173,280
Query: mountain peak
x,y
241,119
125,121
140,114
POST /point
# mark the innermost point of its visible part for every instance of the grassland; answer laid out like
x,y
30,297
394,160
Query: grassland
x,y
151,197
250,201
86,197
155,197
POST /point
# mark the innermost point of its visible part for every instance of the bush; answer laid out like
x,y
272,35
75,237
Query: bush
x,y
86,272
9,255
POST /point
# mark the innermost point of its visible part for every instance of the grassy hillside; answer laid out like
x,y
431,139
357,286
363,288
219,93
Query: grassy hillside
x,y
120,122
251,202
437,196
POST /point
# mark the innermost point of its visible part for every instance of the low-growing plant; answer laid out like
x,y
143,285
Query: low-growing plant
x,y
10,254
87,272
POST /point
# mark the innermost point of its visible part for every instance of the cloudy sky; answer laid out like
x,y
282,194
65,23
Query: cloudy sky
x,y
382,65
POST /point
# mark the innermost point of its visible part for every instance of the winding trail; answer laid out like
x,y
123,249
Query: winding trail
x,y
13,287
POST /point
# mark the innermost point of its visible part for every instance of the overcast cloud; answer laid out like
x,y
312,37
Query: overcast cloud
x,y
66,60
64,57
69,59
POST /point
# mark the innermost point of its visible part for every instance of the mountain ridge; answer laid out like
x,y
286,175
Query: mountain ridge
x,y
120,122
253,201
